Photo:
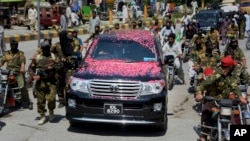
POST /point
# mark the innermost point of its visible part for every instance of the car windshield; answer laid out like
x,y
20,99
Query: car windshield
x,y
206,17
126,50
245,4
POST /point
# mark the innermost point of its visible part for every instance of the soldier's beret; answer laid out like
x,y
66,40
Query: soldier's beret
x,y
227,61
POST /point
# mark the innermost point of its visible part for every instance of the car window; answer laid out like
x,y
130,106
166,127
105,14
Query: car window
x,y
245,4
206,17
122,50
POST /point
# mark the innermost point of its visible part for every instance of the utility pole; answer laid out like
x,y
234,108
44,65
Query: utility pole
x,y
38,22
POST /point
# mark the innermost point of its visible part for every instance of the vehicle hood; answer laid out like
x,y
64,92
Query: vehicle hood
x,y
206,24
118,69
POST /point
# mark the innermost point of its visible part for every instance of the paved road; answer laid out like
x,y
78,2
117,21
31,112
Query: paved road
x,y
21,125
24,30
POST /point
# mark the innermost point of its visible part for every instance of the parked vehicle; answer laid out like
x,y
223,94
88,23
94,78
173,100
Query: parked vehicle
x,y
10,95
48,13
5,17
115,84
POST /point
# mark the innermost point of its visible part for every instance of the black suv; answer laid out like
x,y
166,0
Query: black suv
x,y
121,81
208,19
5,17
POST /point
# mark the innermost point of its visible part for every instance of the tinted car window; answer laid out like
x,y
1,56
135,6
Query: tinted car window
x,y
122,50
245,4
206,17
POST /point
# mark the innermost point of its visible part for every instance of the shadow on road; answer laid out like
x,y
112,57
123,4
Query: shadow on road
x,y
2,124
57,119
115,130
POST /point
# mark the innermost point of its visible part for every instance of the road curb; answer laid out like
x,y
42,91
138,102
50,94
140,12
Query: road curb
x,y
81,31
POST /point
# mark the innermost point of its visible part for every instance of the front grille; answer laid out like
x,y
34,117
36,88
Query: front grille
x,y
118,88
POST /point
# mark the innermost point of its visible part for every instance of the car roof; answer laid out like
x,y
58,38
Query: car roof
x,y
127,34
210,11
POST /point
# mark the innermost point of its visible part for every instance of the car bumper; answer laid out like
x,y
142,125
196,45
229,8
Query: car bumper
x,y
138,111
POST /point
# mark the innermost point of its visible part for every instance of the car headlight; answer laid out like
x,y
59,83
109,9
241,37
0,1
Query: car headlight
x,y
226,111
80,85
153,87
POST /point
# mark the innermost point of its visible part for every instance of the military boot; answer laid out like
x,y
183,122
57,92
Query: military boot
x,y
51,115
42,120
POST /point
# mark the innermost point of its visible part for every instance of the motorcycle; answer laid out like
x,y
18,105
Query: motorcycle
x,y
219,127
244,109
10,95
170,71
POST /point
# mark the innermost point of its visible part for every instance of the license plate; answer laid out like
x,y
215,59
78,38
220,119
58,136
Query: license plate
x,y
112,109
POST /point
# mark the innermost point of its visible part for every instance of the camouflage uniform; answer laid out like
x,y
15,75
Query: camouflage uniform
x,y
69,70
238,54
14,62
195,53
207,60
46,85
60,71
214,36
220,86
241,74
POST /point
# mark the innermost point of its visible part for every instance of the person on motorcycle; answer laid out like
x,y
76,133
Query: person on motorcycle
x,y
214,36
16,60
208,59
190,32
242,74
199,33
221,84
46,83
198,48
172,47
239,56
232,30
166,31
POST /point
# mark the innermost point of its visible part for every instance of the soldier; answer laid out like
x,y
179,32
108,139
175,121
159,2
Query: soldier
x,y
198,34
208,59
60,73
214,37
221,84
79,40
16,62
242,74
71,63
46,82
198,48
238,53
